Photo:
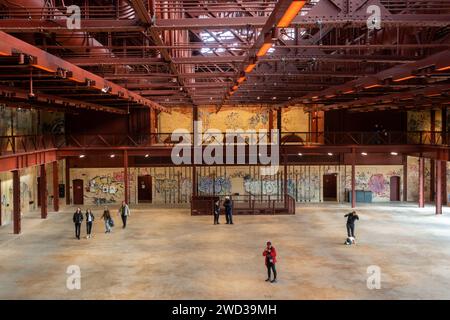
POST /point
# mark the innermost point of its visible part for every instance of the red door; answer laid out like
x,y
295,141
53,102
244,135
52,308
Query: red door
x,y
78,195
394,184
330,187
145,189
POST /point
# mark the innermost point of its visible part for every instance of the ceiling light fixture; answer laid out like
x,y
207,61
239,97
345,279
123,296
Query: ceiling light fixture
x,y
241,79
404,78
443,68
264,48
82,156
363,153
112,156
250,67
394,153
330,154
291,12
372,86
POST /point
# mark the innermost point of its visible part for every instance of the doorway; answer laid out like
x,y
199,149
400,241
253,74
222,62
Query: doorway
x,y
394,184
78,192
330,187
145,189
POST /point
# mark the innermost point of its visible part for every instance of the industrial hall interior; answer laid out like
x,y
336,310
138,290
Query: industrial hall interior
x,y
155,149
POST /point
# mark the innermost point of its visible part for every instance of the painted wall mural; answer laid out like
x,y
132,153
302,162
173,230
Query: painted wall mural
x,y
217,185
375,179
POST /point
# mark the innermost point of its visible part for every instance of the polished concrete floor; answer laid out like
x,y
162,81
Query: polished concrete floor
x,y
167,254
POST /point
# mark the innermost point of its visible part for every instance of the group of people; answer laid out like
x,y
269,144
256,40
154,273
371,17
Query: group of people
x,y
78,217
228,205
269,252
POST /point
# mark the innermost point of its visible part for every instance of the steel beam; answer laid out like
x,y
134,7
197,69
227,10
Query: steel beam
x,y
49,62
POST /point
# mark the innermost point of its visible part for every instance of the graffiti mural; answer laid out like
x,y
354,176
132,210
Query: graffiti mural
x,y
222,185
105,189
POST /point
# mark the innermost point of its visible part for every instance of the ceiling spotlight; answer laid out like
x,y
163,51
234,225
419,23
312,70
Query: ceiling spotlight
x,y
82,156
394,153
112,156
329,153
300,154
257,98
363,153
147,155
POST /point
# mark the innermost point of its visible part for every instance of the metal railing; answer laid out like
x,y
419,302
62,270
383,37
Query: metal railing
x,y
245,204
30,143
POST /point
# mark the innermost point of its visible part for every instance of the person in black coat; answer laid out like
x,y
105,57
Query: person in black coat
x,y
89,221
77,219
216,212
228,204
351,217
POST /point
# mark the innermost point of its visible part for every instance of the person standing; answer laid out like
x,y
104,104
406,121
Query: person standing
x,y
216,212
270,255
124,212
228,204
77,219
351,217
89,221
108,220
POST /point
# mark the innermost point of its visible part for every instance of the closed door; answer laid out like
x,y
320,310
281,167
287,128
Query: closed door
x,y
78,195
330,187
145,189
394,184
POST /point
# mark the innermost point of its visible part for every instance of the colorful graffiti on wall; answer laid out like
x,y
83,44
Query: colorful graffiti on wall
x,y
217,185
105,189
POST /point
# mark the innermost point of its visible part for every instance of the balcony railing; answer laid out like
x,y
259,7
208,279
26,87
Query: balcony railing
x,y
31,143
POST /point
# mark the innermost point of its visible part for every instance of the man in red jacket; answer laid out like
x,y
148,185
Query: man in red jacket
x,y
271,258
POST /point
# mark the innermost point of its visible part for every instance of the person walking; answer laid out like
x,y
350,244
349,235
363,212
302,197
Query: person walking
x,y
228,204
124,212
77,219
108,220
270,255
216,212
351,218
89,221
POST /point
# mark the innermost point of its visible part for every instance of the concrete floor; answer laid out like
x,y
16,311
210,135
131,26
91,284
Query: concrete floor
x,y
167,254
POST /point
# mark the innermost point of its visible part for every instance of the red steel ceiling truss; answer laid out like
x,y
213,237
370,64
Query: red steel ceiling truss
x,y
189,52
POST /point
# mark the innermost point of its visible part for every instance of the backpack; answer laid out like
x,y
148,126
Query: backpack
x,y
111,222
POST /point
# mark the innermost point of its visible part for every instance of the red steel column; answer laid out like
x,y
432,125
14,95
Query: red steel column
x,y
432,180
67,182
125,174
444,182
16,202
438,187
43,192
405,178
353,180
421,182
55,186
